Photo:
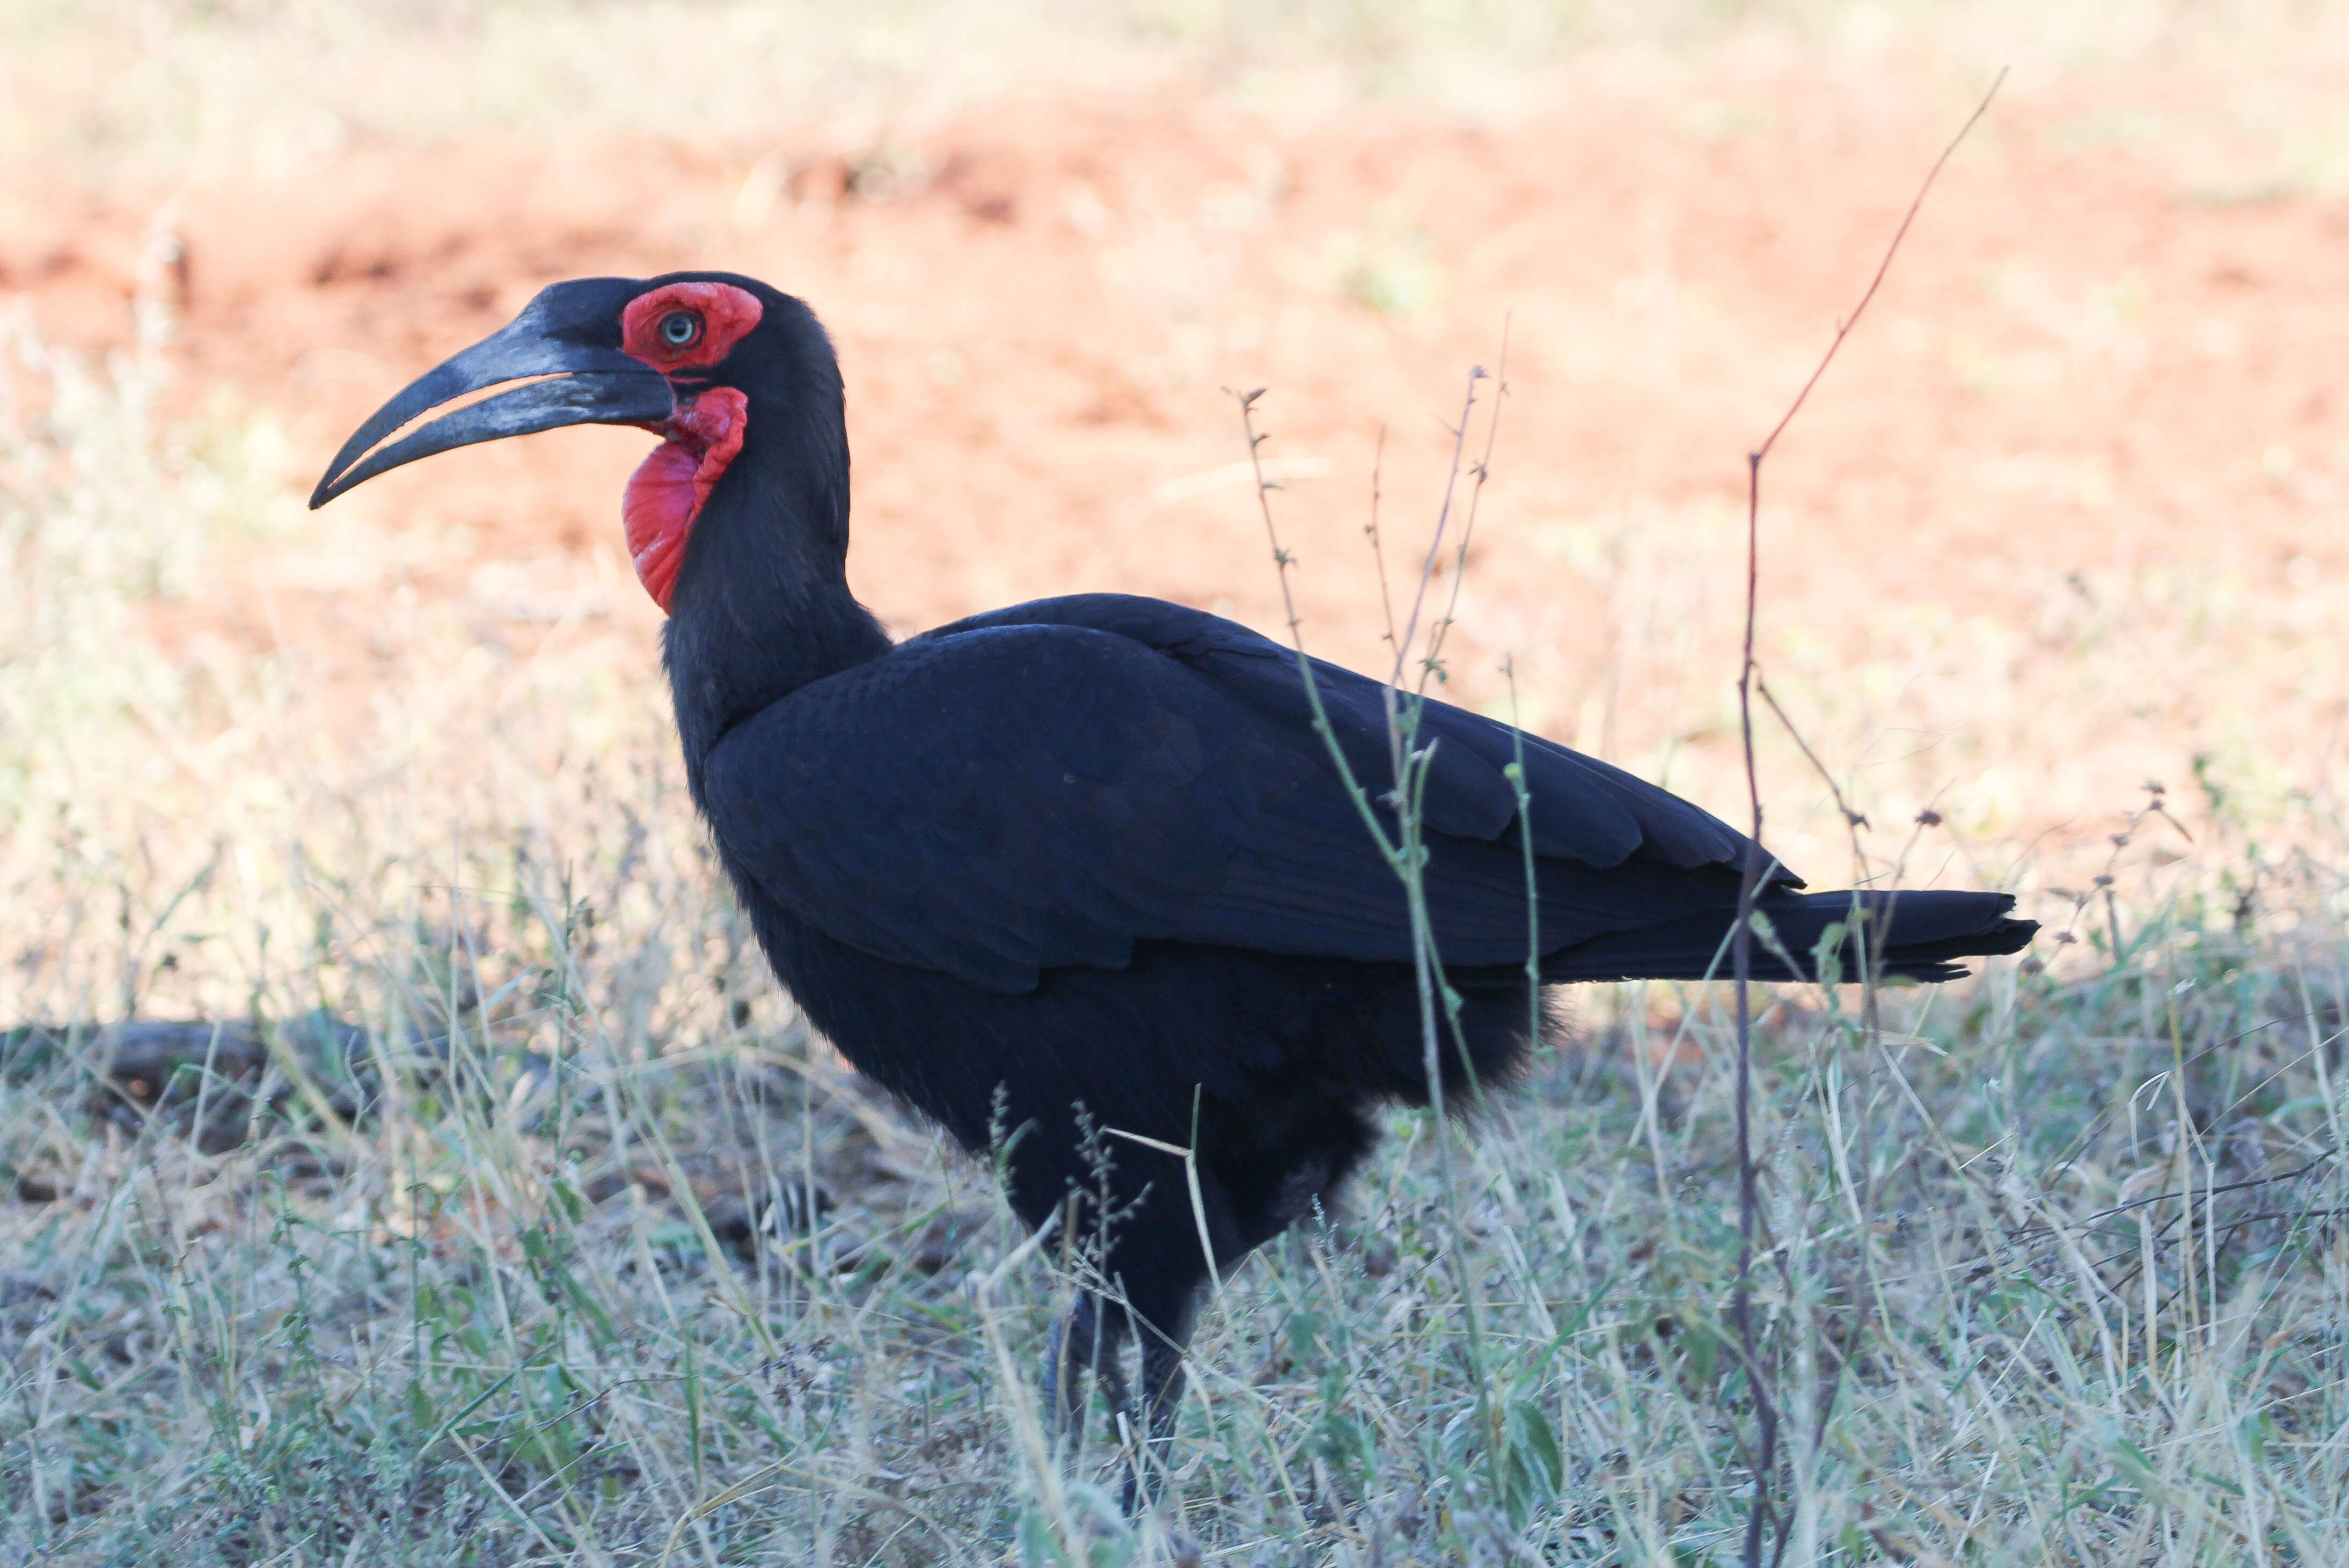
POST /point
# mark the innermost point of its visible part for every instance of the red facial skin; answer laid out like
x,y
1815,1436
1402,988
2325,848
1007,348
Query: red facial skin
x,y
727,314
668,489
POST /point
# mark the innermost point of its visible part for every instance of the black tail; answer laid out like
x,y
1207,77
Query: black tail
x,y
1913,935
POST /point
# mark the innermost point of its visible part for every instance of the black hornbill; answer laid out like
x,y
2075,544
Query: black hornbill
x,y
1085,866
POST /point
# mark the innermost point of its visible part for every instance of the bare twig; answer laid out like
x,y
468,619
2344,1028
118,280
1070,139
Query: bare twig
x,y
1852,819
1401,848
1756,870
2035,1232
1371,530
1431,664
1443,522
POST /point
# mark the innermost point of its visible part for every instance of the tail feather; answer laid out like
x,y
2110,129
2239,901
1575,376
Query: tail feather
x,y
1911,935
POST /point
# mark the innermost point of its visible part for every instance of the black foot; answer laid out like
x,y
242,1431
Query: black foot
x,y
1090,1340
1161,1402
1086,1342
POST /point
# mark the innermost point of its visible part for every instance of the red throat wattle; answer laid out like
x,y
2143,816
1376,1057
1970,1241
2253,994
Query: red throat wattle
x,y
667,491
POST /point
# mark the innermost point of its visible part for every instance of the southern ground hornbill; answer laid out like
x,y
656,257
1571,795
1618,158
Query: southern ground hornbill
x,y
1086,863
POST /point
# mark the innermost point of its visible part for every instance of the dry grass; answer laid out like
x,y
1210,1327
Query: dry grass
x,y
141,89
593,1256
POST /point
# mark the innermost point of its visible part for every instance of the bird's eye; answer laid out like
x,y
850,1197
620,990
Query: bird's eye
x,y
681,328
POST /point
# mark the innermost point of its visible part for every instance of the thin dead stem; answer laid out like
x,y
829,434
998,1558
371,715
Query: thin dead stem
x,y
1402,848
1763,1507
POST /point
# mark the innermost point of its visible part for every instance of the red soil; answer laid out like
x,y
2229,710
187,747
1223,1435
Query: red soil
x,y
2084,376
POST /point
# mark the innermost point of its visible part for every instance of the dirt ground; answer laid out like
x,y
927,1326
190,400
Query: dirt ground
x,y
2066,514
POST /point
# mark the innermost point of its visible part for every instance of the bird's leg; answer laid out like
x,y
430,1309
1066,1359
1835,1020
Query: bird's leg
x,y
1082,1343
1161,1402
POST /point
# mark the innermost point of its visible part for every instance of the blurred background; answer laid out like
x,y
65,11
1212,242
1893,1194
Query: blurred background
x,y
2058,540
2065,517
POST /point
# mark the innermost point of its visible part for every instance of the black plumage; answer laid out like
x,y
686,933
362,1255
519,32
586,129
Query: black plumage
x,y
1086,863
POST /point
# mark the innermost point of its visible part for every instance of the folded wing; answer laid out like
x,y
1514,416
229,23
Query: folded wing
x,y
1047,784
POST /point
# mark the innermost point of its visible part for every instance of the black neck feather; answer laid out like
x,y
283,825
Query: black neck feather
x,y
761,605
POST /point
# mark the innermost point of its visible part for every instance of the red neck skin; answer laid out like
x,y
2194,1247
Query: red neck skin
x,y
669,487
668,491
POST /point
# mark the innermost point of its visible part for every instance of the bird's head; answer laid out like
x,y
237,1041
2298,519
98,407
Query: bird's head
x,y
695,357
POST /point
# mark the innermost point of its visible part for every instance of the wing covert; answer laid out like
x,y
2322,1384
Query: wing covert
x,y
1047,784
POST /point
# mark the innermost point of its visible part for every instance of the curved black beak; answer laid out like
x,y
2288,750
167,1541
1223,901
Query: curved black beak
x,y
570,332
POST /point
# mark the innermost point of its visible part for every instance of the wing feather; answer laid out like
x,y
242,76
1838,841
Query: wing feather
x,y
1047,784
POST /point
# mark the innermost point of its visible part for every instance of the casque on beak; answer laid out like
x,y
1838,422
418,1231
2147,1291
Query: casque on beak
x,y
569,333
